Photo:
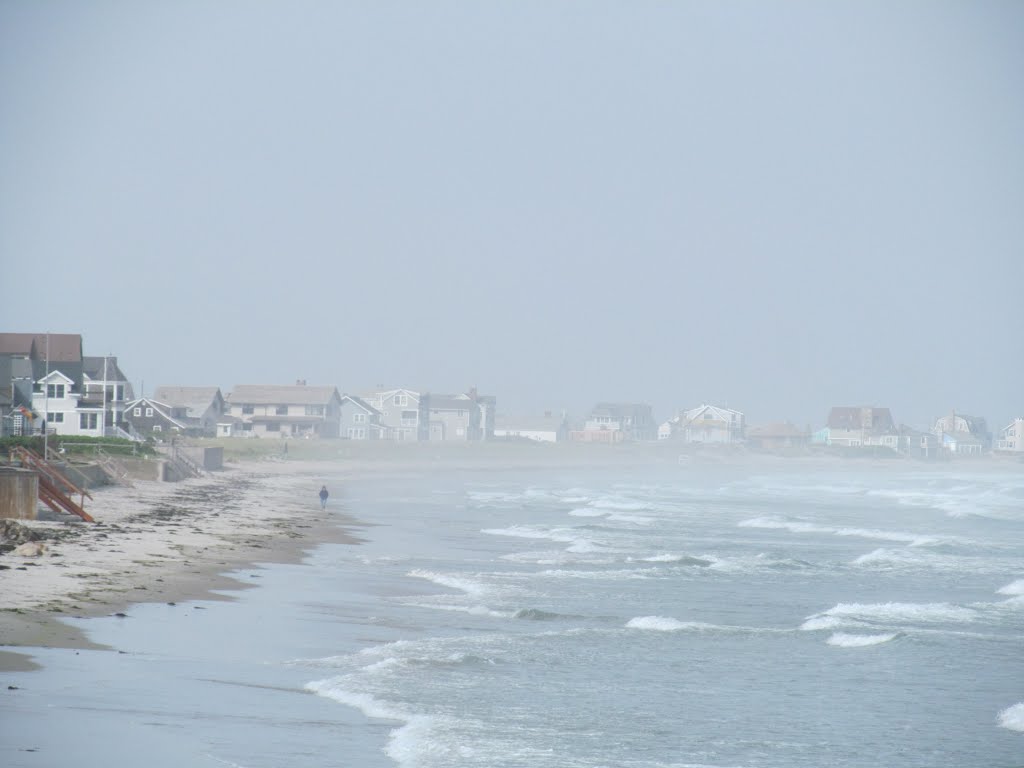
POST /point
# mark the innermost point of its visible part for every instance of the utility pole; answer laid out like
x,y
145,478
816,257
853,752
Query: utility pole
x,y
46,401
103,416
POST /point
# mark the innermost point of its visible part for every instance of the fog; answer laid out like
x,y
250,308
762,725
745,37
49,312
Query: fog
x,y
777,207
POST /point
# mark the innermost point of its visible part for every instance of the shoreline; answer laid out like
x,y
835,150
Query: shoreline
x,y
163,542
175,542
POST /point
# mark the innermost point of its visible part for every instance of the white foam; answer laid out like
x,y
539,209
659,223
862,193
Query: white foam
x,y
1013,588
892,612
588,512
796,526
1013,717
843,640
454,582
473,610
665,624
628,506
817,623
527,532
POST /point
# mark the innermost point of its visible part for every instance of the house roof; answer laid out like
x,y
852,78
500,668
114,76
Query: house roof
x,y
861,417
449,403
619,409
550,423
360,403
62,347
195,400
776,429
93,368
270,394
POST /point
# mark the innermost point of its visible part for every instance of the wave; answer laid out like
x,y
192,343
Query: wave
x,y
588,512
460,583
1013,588
678,560
843,640
1013,717
535,614
472,610
796,526
861,613
664,624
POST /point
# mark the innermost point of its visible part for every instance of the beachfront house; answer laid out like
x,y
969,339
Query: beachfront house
x,y
268,410
463,417
548,428
107,388
855,426
1011,438
962,435
403,413
198,408
359,419
148,417
616,423
778,436
705,424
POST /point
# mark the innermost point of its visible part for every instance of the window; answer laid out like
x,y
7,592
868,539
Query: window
x,y
136,411
55,418
281,410
314,410
357,433
401,400
359,418
149,412
273,427
120,392
55,391
248,409
87,421
409,417
157,428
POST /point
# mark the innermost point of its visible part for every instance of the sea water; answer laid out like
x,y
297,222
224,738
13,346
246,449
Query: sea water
x,y
668,617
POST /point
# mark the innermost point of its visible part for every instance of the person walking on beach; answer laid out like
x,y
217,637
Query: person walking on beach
x,y
323,497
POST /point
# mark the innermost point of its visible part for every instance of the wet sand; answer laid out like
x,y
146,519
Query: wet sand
x,y
163,542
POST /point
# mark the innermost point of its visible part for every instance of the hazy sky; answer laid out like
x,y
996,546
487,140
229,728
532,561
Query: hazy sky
x,y
777,206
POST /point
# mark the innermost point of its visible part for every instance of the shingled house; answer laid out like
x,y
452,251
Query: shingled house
x,y
286,411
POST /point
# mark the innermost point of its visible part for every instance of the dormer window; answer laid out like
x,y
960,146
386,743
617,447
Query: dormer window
x,y
55,391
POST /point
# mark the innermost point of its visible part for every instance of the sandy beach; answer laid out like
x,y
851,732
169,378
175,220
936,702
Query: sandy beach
x,y
162,542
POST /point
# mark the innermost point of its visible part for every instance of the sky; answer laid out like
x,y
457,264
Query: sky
x,y
773,206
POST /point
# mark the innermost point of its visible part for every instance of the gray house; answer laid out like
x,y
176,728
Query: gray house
x,y
360,420
403,413
199,408
465,417
286,411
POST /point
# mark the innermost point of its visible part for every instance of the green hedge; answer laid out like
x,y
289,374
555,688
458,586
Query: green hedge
x,y
80,444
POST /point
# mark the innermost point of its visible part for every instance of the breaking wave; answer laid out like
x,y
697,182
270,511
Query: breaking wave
x,y
843,640
1013,717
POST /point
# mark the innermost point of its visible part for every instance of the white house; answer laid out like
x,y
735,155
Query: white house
x,y
705,424
57,398
549,428
1011,438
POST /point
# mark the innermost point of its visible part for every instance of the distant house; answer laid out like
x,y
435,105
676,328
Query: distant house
x,y
852,426
199,408
548,428
705,424
462,417
403,413
777,436
148,417
917,444
616,423
360,420
962,435
286,411
1011,438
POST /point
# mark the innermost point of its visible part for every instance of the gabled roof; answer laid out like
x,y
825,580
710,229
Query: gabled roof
x,y
195,400
861,417
271,394
55,373
162,408
93,368
360,403
62,347
776,429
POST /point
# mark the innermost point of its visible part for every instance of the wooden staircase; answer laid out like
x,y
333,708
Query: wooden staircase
x,y
55,490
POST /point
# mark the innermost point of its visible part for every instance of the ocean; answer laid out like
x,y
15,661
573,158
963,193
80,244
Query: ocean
x,y
705,615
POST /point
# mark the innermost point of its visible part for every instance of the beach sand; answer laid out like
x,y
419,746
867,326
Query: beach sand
x,y
163,542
